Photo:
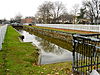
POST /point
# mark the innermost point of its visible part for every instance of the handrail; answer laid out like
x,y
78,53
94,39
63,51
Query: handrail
x,y
87,37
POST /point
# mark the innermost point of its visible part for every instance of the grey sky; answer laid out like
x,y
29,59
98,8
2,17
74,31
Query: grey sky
x,y
10,8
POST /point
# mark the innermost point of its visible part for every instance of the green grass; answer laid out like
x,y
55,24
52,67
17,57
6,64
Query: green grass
x,y
19,58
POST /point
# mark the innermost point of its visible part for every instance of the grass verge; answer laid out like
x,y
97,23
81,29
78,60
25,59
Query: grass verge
x,y
19,58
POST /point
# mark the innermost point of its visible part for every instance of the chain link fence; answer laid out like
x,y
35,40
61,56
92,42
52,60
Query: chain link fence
x,y
2,34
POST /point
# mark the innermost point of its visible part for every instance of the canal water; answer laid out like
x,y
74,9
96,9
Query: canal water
x,y
49,52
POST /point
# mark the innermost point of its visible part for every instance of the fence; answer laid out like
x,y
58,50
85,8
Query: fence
x,y
94,28
2,34
86,53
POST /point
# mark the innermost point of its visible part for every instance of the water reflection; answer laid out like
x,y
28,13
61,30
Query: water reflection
x,y
50,53
49,47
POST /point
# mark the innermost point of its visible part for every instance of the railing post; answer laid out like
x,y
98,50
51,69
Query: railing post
x,y
74,44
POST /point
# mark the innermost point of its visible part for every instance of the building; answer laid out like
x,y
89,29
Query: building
x,y
84,21
28,20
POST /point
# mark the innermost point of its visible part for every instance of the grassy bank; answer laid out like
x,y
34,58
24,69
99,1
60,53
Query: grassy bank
x,y
19,58
64,44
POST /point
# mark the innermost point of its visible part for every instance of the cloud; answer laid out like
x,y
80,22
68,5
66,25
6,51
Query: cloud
x,y
9,8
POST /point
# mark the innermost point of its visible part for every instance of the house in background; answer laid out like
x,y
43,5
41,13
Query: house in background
x,y
28,21
83,21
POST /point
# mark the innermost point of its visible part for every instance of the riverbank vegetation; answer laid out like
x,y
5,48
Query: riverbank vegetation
x,y
64,30
19,58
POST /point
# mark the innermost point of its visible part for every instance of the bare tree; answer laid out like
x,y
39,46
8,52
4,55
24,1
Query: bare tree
x,y
74,12
93,11
58,9
66,18
96,9
45,11
49,12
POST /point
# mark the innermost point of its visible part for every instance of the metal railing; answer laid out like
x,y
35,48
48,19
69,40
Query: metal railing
x,y
2,34
86,53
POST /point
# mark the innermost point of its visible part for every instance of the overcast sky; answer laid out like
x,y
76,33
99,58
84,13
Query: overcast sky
x,y
10,8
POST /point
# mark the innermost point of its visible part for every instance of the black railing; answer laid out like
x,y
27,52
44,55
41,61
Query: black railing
x,y
86,53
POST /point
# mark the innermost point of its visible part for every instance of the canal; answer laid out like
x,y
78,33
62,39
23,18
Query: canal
x,y
49,51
